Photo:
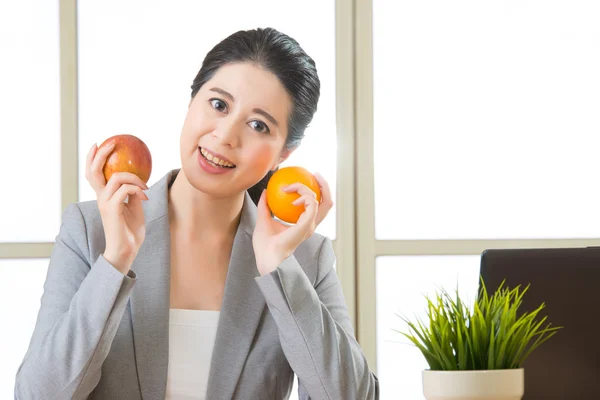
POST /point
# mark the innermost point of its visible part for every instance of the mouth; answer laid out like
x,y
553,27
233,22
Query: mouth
x,y
216,160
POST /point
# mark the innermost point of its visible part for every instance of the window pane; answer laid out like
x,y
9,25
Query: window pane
x,y
137,61
486,119
402,283
21,288
29,121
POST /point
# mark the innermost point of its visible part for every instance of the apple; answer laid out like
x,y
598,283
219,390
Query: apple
x,y
129,155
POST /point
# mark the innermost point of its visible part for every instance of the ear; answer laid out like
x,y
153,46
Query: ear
x,y
285,153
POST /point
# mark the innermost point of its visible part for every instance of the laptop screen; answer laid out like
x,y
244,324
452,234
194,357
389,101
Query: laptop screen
x,y
567,366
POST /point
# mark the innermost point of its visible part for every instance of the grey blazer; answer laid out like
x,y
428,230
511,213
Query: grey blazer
x,y
102,335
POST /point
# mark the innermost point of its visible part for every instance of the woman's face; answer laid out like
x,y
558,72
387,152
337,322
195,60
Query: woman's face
x,y
235,130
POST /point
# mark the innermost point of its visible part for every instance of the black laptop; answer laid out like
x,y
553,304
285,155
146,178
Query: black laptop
x,y
567,366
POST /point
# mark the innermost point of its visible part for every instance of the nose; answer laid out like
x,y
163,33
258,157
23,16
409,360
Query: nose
x,y
227,133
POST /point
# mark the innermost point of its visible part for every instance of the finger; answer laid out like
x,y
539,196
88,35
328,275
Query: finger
x,y
322,212
326,199
121,178
88,164
127,190
305,225
308,217
90,157
96,175
301,189
134,204
304,199
326,196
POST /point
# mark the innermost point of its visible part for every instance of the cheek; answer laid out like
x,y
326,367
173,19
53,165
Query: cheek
x,y
197,122
263,157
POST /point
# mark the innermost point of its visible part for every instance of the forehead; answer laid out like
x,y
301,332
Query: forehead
x,y
252,86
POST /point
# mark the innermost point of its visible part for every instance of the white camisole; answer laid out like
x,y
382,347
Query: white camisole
x,y
191,340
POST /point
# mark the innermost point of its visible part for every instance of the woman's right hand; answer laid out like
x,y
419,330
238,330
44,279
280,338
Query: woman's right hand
x,y
124,227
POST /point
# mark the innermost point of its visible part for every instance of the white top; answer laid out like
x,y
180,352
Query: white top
x,y
191,340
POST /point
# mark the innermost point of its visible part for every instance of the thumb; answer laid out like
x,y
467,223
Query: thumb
x,y
264,213
134,204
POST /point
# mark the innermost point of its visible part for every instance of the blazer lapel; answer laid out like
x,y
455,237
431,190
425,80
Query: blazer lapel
x,y
242,307
150,297
241,310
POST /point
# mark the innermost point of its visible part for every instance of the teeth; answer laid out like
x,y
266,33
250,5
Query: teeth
x,y
215,160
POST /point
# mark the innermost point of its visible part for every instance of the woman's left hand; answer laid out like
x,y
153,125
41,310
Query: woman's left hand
x,y
273,241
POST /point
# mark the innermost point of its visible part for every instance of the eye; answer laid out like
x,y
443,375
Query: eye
x,y
259,126
218,105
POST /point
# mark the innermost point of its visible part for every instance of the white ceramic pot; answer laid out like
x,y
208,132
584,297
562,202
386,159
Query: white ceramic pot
x,y
502,384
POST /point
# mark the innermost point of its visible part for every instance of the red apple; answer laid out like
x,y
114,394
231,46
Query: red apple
x,y
129,155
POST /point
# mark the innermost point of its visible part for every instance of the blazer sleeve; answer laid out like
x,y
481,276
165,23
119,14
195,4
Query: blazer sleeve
x,y
315,331
80,311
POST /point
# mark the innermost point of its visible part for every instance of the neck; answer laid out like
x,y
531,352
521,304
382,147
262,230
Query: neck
x,y
195,214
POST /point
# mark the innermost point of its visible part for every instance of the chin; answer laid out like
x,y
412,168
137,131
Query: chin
x,y
217,186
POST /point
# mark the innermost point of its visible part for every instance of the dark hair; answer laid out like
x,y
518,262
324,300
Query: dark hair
x,y
281,55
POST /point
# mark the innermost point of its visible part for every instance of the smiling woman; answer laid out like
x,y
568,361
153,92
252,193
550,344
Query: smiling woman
x,y
230,302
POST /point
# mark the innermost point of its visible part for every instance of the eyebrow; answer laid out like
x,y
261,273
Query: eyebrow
x,y
223,92
256,110
266,115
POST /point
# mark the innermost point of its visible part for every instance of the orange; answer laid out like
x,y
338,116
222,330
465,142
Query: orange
x,y
280,202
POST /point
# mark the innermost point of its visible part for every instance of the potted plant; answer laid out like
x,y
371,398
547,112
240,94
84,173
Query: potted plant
x,y
476,353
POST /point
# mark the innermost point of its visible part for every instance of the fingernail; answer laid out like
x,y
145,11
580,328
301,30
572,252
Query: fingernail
x,y
92,148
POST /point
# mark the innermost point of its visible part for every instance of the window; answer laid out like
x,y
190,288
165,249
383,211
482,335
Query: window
x,y
21,288
483,129
485,119
30,122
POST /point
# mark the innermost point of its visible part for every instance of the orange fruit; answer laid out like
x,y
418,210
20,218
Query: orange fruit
x,y
280,202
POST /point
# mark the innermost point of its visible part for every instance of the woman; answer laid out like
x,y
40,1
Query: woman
x,y
189,289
